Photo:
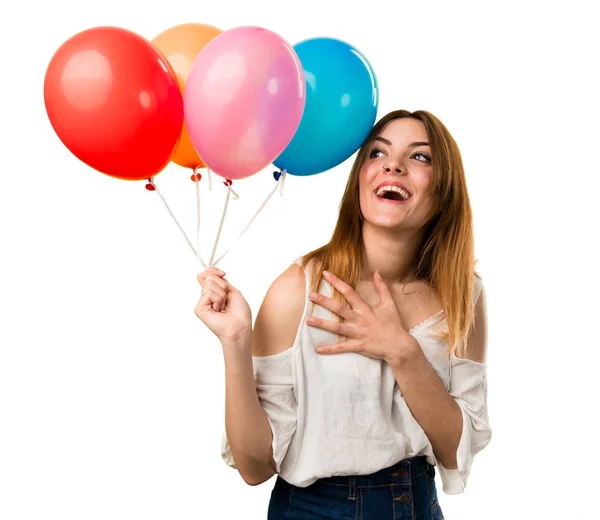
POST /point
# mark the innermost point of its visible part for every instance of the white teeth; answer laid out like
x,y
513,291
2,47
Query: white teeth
x,y
405,195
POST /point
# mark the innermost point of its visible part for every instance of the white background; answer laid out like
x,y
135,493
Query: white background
x,y
112,391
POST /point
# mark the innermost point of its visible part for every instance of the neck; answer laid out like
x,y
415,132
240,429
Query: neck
x,y
392,253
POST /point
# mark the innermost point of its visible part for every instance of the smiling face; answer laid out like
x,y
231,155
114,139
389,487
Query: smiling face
x,y
399,159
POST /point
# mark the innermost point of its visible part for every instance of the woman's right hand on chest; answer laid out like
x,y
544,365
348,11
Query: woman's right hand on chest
x,y
222,308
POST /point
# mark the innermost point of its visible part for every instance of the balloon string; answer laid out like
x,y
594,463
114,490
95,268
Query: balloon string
x,y
212,256
176,222
282,179
197,181
278,185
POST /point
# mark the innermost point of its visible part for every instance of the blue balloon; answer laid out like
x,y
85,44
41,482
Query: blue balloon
x,y
341,107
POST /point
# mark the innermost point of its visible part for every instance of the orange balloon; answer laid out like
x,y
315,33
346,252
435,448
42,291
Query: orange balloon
x,y
180,45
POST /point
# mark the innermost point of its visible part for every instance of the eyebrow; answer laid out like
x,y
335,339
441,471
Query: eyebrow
x,y
411,145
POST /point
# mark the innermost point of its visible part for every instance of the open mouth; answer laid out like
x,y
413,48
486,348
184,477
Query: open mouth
x,y
392,193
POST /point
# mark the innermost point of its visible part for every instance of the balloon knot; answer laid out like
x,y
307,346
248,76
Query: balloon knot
x,y
276,175
228,182
196,177
150,187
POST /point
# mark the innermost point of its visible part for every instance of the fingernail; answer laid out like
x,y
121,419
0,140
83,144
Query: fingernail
x,y
378,275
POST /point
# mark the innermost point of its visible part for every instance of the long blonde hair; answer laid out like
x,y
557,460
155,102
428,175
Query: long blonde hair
x,y
446,258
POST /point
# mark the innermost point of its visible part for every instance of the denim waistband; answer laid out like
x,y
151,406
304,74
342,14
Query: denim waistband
x,y
400,473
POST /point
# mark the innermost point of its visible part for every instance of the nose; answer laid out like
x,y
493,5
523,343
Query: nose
x,y
389,168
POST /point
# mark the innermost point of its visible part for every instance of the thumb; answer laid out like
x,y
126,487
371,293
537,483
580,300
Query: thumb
x,y
383,290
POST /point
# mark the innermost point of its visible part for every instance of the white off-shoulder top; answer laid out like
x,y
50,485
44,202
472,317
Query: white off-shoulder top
x,y
345,414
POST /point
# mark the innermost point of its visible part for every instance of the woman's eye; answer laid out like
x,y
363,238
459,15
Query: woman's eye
x,y
374,153
426,157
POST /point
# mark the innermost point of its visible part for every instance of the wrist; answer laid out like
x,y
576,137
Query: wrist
x,y
409,351
237,347
239,340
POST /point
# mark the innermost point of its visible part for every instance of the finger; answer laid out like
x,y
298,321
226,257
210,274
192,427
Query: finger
x,y
219,282
352,297
206,304
211,270
213,279
333,305
383,289
350,345
332,326
216,296
221,299
215,292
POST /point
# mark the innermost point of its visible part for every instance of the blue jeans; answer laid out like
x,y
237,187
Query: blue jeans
x,y
403,491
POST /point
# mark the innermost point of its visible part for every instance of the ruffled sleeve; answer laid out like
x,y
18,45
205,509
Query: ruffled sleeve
x,y
468,387
273,376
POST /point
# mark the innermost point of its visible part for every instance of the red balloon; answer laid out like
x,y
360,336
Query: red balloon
x,y
114,101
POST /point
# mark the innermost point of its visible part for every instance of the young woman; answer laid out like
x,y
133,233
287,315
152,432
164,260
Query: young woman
x,y
366,366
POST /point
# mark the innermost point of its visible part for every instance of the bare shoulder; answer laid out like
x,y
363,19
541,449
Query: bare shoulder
x,y
279,316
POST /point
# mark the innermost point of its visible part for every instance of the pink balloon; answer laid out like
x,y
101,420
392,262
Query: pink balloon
x,y
243,100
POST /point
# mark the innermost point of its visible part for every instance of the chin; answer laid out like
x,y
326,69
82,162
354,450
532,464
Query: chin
x,y
384,222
